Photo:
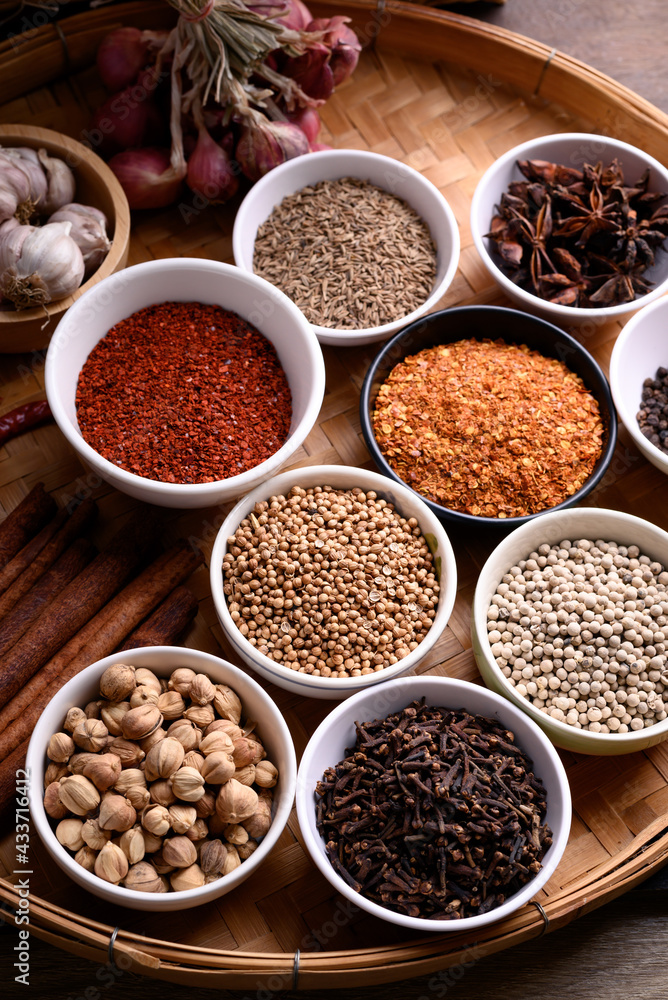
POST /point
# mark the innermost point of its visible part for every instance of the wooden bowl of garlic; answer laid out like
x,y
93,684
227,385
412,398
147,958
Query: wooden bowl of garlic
x,y
45,174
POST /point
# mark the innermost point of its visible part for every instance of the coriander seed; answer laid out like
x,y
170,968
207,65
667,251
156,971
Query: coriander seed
x,y
334,583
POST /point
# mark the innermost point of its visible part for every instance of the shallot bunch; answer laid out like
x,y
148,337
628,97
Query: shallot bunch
x,y
231,92
48,242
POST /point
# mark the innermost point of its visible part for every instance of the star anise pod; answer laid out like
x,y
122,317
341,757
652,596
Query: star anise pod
x,y
637,194
569,286
637,240
551,173
621,282
604,177
535,236
592,216
508,247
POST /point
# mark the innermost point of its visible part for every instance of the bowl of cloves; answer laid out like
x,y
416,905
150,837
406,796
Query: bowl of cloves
x,y
161,777
64,225
574,227
433,803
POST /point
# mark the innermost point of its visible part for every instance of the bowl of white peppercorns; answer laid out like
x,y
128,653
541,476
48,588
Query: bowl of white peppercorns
x,y
329,579
570,622
639,381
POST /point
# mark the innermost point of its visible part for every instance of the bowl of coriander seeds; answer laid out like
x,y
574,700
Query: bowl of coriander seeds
x,y
330,579
570,622
362,243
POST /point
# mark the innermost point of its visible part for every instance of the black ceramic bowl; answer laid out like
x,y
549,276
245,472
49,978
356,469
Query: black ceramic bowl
x,y
493,322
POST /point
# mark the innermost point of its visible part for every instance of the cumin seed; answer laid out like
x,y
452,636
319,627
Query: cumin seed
x,y
351,255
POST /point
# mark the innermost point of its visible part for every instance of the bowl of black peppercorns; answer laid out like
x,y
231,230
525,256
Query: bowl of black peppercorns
x,y
639,381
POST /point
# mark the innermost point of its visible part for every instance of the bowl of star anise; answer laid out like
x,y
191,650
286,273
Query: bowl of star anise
x,y
574,227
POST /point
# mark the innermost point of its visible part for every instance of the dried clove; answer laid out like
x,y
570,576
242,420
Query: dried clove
x,y
434,813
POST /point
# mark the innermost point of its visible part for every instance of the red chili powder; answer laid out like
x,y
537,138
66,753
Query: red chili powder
x,y
184,392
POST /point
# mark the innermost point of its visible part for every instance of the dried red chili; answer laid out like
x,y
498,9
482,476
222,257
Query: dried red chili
x,y
488,428
23,418
184,392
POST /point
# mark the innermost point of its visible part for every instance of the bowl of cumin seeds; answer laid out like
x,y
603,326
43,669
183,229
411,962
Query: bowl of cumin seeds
x,y
360,242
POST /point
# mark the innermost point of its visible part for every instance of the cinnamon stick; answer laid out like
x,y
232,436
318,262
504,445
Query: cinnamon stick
x,y
11,570
22,523
166,623
41,552
74,606
38,598
10,766
103,634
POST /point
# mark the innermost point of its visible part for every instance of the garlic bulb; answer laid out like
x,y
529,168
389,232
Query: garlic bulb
x,y
40,266
28,161
14,190
60,183
89,232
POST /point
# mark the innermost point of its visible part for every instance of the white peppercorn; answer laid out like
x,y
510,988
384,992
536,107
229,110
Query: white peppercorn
x,y
590,648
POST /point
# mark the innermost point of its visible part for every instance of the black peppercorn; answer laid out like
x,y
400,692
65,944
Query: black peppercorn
x,y
652,416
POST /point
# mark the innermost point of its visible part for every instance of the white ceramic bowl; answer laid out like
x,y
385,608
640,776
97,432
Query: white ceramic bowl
x,y
162,660
639,350
576,523
183,279
572,149
383,171
336,732
408,504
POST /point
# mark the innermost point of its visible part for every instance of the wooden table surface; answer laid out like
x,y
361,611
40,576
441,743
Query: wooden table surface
x,y
618,950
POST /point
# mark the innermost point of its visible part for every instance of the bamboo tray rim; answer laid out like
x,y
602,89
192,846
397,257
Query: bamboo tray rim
x,y
542,70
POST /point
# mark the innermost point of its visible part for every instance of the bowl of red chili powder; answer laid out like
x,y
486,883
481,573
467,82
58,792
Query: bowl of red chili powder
x,y
184,382
493,416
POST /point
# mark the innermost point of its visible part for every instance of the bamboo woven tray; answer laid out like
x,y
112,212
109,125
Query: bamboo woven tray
x,y
446,94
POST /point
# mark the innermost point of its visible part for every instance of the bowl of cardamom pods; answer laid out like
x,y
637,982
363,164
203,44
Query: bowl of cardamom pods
x,y
573,227
64,225
362,243
161,777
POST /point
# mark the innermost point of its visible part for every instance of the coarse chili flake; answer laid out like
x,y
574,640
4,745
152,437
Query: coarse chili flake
x,y
488,428
184,392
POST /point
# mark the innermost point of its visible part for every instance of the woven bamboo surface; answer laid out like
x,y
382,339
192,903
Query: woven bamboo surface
x,y
449,119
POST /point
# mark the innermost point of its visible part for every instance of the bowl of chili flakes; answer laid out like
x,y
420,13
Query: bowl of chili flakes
x,y
184,382
491,415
